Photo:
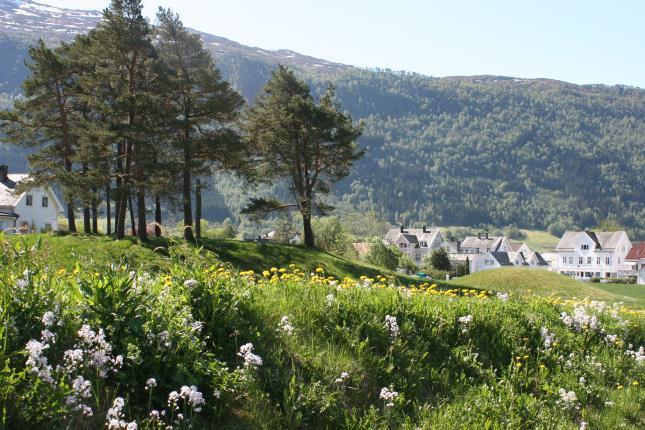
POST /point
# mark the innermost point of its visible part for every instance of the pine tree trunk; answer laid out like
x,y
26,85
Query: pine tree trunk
x,y
157,216
95,216
142,232
307,230
87,220
71,216
133,224
108,209
198,208
188,213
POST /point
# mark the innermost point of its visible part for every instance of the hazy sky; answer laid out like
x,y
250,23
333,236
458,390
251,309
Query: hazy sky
x,y
581,41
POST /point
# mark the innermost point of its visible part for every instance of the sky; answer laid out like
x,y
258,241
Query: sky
x,y
585,42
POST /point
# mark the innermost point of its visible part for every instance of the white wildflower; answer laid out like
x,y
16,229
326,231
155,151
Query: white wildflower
x,y
285,326
48,319
503,296
151,383
568,399
388,396
465,323
330,299
250,359
343,376
580,320
548,338
190,284
392,326
639,355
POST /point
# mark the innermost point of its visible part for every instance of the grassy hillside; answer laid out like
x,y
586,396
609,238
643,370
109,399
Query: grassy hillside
x,y
545,283
541,241
202,347
258,257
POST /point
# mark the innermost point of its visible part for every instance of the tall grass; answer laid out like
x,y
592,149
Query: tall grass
x,y
172,350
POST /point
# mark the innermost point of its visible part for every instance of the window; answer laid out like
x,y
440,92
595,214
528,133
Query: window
x,y
588,260
424,244
476,250
403,245
608,261
618,260
30,200
48,227
487,249
585,247
579,260
598,261
564,260
570,260
45,201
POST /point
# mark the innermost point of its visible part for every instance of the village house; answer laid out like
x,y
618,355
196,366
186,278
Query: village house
x,y
482,243
587,254
415,242
30,211
636,256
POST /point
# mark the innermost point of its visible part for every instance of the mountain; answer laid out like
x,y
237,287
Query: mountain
x,y
467,150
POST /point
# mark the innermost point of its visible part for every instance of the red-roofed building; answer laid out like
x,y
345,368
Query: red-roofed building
x,y
636,256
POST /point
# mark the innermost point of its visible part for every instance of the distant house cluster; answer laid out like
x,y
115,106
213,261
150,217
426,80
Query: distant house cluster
x,y
481,252
579,254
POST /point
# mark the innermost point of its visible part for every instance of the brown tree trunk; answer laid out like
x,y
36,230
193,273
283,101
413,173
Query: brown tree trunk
x,y
87,220
142,232
157,216
198,208
108,209
133,224
71,216
188,212
95,215
307,230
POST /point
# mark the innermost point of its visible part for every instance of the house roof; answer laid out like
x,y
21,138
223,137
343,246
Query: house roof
x,y
419,235
514,255
492,242
602,239
8,195
637,252
502,258
8,213
540,259
515,247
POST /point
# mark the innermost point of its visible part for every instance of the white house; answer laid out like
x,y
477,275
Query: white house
x,y
491,260
415,242
481,244
636,256
29,211
520,247
587,254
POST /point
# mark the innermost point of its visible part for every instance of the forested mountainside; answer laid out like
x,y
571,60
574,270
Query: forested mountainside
x,y
462,150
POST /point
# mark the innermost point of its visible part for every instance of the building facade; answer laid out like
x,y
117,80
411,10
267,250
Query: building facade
x,y
586,254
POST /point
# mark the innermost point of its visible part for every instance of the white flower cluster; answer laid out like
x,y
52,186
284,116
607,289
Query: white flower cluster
x,y
37,361
388,396
548,338
611,339
98,351
503,296
285,326
151,383
465,323
392,326
82,390
639,355
251,360
580,320
330,299
114,418
190,395
342,378
190,284
568,399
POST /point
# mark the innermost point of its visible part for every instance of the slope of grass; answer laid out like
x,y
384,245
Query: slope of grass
x,y
258,257
232,350
541,241
543,283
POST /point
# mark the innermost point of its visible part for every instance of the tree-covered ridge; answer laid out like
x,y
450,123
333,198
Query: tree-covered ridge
x,y
463,151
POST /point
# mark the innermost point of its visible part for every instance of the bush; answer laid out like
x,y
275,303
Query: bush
x,y
439,259
383,255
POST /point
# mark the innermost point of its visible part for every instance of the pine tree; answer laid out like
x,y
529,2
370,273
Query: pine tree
x,y
205,107
45,119
310,145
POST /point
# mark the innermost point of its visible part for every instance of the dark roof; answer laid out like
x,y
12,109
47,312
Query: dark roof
x,y
502,258
540,259
593,237
637,252
8,213
411,238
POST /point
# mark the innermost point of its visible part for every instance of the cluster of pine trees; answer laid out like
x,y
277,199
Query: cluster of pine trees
x,y
132,112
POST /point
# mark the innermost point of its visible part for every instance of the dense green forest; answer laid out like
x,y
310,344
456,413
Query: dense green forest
x,y
458,151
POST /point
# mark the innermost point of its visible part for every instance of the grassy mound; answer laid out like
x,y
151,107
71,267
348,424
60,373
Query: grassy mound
x,y
154,256
541,282
200,346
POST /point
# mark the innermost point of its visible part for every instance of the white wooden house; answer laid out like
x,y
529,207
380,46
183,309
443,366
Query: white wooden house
x,y
481,244
415,242
587,254
636,256
34,210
